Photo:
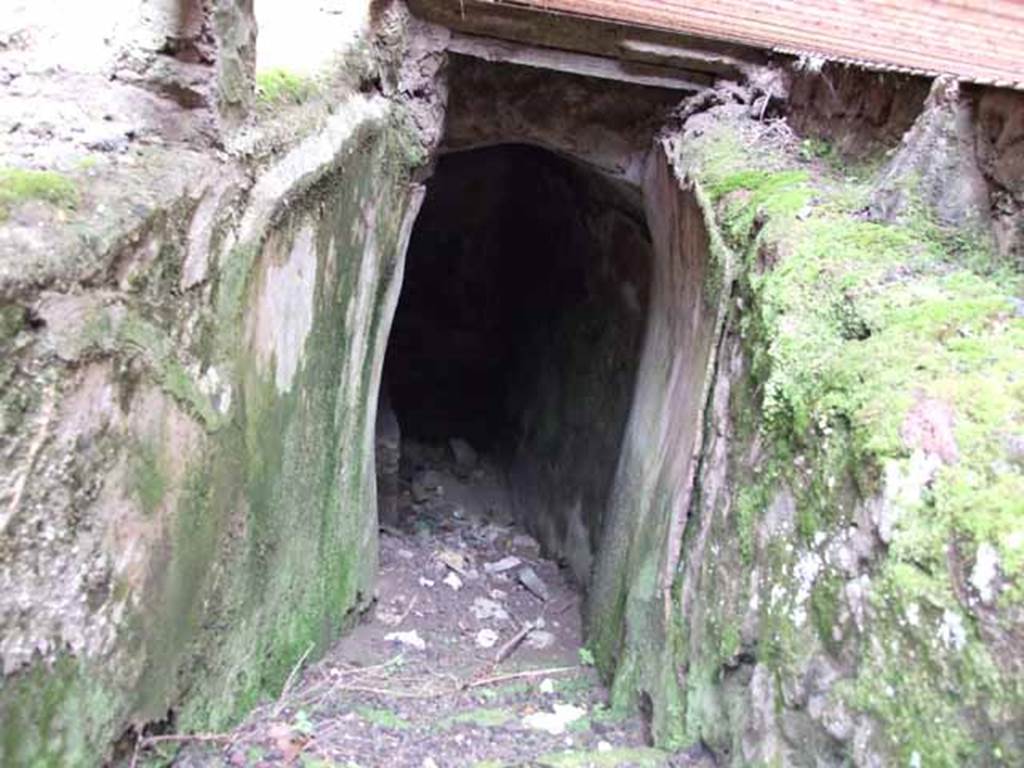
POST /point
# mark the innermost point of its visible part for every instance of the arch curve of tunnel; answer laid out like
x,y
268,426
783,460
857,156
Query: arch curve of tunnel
x,y
518,331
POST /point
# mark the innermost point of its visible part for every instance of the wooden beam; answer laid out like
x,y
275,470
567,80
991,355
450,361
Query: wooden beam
x,y
636,73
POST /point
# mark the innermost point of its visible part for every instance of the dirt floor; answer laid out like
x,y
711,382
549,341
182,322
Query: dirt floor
x,y
471,657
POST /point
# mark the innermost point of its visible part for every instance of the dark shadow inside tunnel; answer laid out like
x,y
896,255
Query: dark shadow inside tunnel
x,y
519,327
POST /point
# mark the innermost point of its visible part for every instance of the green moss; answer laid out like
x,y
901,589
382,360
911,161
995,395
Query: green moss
x,y
64,714
825,603
12,320
18,185
483,718
849,325
279,87
950,707
383,718
750,503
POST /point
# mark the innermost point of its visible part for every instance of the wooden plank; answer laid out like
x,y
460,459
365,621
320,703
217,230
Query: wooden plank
x,y
979,40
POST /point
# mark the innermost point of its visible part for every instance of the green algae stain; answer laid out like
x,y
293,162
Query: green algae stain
x,y
149,483
61,715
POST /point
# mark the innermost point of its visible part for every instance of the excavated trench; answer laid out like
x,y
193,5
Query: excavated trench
x,y
518,332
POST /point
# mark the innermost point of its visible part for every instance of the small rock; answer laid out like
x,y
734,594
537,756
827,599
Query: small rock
x,y
453,580
486,638
411,638
604,746
554,722
1018,306
454,560
533,583
406,554
525,543
505,564
429,762
424,582
539,639
498,594
484,609
465,457
547,685
426,485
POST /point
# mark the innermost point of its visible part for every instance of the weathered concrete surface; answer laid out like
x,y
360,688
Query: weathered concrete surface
x,y
191,360
630,614
605,124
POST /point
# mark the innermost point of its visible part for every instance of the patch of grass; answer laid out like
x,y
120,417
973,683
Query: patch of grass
x,y
383,718
484,718
279,87
18,185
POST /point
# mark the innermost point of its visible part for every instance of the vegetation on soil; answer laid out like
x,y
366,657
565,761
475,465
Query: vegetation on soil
x,y
18,185
280,87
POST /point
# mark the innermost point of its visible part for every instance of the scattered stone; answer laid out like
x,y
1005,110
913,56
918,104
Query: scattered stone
x,y
429,762
454,560
406,554
426,485
411,638
486,638
505,564
547,685
424,582
498,594
554,722
604,746
465,457
523,542
533,583
538,639
484,609
453,580
388,615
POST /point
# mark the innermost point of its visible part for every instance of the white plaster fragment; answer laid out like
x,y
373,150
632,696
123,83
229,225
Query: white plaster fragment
x,y
284,315
986,569
952,633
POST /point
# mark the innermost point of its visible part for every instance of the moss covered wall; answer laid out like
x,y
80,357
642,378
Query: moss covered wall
x,y
843,581
191,507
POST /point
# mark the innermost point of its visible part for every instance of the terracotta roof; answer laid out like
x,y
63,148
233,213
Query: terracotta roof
x,y
977,40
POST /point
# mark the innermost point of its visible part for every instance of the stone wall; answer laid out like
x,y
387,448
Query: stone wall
x,y
829,587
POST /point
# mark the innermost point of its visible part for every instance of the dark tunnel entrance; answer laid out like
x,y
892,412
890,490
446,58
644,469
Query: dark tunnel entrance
x,y
518,332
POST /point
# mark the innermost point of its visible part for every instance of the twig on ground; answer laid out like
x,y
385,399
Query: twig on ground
x,y
185,737
518,675
506,650
314,696
408,610
144,742
388,692
291,679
